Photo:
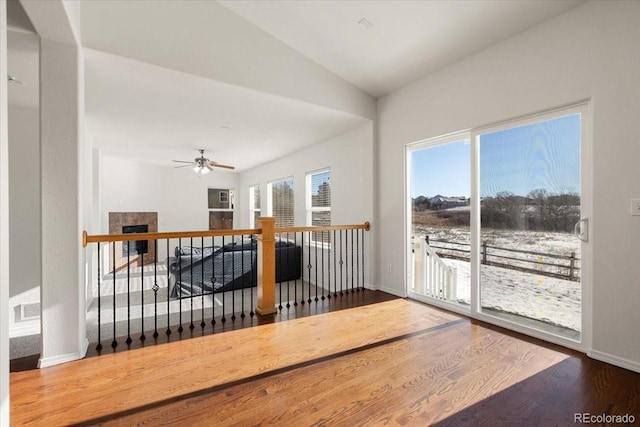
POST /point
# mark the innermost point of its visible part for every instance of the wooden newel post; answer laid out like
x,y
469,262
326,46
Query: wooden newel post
x,y
266,266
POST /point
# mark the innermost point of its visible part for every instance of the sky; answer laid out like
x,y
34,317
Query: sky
x,y
543,155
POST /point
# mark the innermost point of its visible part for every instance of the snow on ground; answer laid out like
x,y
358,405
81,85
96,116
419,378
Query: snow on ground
x,y
543,298
547,299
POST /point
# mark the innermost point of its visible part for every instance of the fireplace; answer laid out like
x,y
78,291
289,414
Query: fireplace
x,y
134,253
135,247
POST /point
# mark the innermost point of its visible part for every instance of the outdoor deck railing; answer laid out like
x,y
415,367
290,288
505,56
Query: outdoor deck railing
x,y
435,278
202,280
560,266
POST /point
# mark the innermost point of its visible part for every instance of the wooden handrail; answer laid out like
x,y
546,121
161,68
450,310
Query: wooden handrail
x,y
105,238
102,238
366,226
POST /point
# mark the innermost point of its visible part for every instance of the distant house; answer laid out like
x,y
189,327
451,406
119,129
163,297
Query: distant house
x,y
441,202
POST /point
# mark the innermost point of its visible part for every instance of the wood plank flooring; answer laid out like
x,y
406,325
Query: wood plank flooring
x,y
396,362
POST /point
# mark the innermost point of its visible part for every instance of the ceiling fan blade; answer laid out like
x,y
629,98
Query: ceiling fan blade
x,y
181,161
218,165
184,166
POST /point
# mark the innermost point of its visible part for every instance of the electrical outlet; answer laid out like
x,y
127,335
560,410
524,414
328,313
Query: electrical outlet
x,y
635,207
388,268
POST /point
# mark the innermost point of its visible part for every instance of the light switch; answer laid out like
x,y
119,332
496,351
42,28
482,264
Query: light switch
x,y
635,207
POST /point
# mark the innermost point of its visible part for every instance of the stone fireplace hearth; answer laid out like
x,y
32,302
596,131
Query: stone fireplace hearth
x,y
139,250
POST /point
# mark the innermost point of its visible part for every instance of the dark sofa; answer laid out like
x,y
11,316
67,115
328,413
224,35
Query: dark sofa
x,y
197,271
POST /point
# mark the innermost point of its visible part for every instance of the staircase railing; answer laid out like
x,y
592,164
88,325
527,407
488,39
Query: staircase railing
x,y
197,282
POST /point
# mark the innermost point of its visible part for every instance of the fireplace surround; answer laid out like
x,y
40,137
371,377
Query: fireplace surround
x,y
139,252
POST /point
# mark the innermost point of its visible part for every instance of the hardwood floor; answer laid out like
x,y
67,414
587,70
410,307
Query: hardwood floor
x,y
396,362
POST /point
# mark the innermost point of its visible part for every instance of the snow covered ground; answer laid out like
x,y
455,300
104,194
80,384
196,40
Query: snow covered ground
x,y
547,299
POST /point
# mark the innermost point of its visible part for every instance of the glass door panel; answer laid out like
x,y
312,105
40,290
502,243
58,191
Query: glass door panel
x,y
440,221
530,197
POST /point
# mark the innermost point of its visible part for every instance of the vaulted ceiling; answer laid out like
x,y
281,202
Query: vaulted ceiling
x,y
251,81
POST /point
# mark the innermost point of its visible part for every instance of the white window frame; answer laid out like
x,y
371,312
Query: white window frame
x,y
310,209
254,213
270,196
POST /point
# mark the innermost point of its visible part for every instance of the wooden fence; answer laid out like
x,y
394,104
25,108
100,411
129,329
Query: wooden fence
x,y
566,267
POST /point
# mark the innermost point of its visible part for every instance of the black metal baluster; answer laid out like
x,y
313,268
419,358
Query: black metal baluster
x,y
295,283
335,265
329,251
244,279
155,289
315,244
302,268
288,263
341,264
309,267
279,267
191,325
168,332
254,275
129,340
179,285
114,343
213,283
99,346
323,247
358,284
142,336
363,288
233,283
223,319
352,260
202,324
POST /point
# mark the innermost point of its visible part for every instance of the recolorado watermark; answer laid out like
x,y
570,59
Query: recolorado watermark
x,y
587,418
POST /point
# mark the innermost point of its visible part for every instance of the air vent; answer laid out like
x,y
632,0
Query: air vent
x,y
29,311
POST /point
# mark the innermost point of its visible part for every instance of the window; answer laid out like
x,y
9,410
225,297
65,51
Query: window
x,y
319,203
220,204
281,202
254,205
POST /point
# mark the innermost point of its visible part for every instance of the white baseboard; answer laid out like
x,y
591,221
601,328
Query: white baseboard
x,y
614,360
57,360
392,291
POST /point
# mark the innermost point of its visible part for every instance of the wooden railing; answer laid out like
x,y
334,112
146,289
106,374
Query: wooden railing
x,y
219,276
560,266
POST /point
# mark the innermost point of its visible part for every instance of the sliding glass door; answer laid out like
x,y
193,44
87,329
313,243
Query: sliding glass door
x,y
497,223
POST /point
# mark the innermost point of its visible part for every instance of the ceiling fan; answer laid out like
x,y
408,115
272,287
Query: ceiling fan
x,y
201,165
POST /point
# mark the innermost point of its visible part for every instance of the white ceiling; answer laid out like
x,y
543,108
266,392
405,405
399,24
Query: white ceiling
x,y
154,114
251,81
407,39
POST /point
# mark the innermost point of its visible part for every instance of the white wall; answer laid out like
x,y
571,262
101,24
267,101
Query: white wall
x,y
24,216
350,158
178,195
588,52
24,184
4,224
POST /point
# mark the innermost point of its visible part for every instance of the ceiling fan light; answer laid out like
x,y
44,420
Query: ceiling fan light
x,y
196,168
204,171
